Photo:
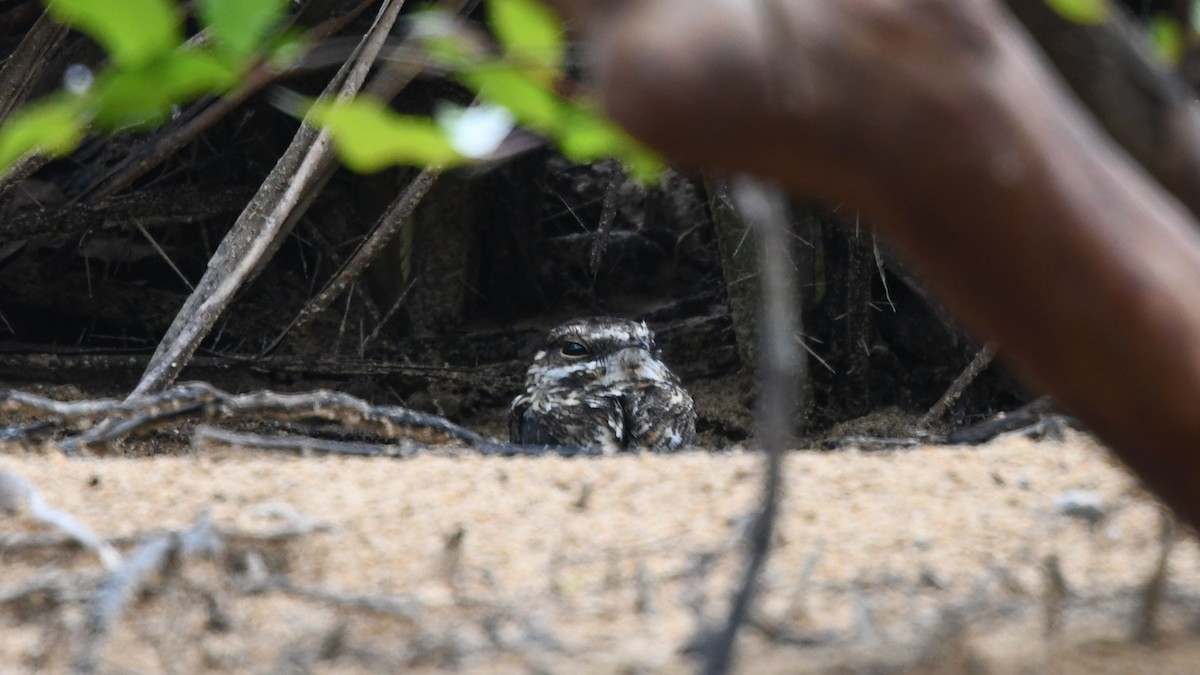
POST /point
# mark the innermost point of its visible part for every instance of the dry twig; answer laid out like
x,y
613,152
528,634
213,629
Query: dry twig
x,y
265,221
980,361
17,494
402,208
19,72
199,400
202,401
208,437
113,596
1152,595
782,366
1054,597
1020,418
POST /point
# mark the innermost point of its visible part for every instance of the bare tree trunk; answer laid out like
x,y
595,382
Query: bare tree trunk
x,y
940,121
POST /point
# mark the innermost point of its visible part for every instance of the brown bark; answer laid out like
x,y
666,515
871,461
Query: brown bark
x,y
938,119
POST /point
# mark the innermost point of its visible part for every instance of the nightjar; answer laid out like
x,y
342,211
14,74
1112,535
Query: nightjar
x,y
599,383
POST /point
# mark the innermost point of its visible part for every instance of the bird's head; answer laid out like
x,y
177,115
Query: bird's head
x,y
596,351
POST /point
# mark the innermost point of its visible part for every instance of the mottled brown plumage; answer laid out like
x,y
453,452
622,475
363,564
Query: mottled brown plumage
x,y
599,383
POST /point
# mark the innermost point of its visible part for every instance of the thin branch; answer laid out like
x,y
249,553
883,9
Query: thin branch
x,y
163,254
123,584
1020,418
782,364
400,608
981,360
263,224
18,494
1054,597
1149,613
608,215
208,437
153,151
23,67
199,400
20,72
370,248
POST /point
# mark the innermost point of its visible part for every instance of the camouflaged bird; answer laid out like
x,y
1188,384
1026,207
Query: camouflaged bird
x,y
599,383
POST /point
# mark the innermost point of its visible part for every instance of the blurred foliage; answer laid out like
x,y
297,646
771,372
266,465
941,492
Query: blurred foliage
x,y
1169,35
523,78
1082,11
151,71
371,137
1167,38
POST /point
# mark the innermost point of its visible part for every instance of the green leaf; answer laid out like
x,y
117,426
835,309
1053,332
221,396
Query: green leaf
x,y
586,136
240,27
530,33
588,139
369,136
133,32
54,127
1166,37
581,132
146,95
529,100
449,52
644,166
1088,12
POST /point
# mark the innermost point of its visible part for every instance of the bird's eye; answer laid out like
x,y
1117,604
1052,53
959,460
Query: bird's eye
x,y
574,349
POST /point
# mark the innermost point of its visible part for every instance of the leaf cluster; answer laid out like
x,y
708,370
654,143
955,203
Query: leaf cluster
x,y
151,69
522,80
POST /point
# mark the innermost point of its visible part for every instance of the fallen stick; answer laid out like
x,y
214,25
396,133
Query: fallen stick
x,y
18,495
982,359
115,593
199,400
208,437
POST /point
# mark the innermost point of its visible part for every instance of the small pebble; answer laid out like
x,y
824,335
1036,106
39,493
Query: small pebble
x,y
1082,504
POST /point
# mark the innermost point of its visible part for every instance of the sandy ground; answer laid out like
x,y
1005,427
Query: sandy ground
x,y
927,560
